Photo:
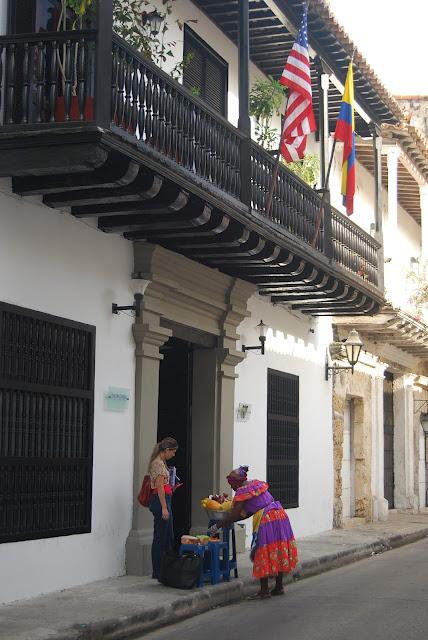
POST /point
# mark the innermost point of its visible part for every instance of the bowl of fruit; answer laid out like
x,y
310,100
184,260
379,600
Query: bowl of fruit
x,y
217,506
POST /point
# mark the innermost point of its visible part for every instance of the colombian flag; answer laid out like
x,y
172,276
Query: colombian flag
x,y
345,132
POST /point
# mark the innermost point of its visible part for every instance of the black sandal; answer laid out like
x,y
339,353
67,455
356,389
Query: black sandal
x,y
259,596
277,592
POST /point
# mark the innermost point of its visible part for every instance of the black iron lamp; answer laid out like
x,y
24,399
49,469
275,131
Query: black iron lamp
x,y
353,346
138,287
262,337
154,19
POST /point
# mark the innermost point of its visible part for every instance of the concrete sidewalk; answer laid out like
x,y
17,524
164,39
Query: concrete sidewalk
x,y
125,607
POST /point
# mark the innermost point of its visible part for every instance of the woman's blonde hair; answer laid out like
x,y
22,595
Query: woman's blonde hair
x,y
166,443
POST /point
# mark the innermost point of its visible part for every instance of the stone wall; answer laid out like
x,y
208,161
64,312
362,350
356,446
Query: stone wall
x,y
358,388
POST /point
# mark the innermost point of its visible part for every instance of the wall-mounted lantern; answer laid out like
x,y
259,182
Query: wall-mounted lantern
x,y
153,19
262,337
138,287
353,346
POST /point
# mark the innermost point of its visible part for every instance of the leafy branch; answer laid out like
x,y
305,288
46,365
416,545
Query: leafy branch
x,y
266,98
131,22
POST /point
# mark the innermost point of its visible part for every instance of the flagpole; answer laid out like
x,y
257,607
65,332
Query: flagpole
x,y
275,170
324,191
322,205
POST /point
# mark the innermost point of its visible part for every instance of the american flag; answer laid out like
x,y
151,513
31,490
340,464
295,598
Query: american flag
x,y
299,116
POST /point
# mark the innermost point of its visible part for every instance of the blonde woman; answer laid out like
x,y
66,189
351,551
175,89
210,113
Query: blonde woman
x,y
160,504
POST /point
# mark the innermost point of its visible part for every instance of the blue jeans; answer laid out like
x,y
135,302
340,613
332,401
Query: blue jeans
x,y
163,532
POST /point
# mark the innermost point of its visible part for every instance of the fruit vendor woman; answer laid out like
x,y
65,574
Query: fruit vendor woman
x,y
273,548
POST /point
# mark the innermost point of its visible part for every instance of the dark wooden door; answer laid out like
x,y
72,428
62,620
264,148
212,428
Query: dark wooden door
x,y
175,420
388,436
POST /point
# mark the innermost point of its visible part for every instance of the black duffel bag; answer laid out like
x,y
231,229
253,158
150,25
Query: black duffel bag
x,y
181,572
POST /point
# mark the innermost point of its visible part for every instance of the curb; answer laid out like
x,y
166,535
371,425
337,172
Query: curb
x,y
203,600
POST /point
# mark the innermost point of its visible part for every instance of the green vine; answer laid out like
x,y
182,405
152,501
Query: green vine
x,y
130,23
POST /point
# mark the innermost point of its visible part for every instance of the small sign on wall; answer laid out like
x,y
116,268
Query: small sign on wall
x,y
116,399
243,412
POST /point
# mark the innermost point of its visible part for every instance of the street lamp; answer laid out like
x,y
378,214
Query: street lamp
x,y
353,346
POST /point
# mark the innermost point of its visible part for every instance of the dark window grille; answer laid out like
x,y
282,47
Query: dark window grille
x,y
283,437
46,425
207,73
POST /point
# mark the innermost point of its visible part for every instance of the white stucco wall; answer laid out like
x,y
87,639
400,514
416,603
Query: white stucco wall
x,y
3,16
53,263
406,243
292,348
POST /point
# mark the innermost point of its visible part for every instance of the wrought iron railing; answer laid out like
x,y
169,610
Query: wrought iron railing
x,y
54,78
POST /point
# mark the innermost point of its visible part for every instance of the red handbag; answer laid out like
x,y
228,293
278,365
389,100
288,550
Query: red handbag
x,y
145,493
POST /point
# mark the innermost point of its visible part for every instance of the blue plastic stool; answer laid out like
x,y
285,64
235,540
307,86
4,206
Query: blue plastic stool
x,y
229,539
206,568
220,565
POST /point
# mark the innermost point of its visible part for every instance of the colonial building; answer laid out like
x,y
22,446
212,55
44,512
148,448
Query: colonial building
x,y
380,446
121,186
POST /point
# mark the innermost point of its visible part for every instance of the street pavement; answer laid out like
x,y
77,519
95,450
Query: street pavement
x,y
384,597
125,607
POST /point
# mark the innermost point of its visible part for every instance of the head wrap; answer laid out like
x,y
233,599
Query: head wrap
x,y
238,476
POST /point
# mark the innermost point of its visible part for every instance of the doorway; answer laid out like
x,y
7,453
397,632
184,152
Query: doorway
x,y
388,438
348,462
175,420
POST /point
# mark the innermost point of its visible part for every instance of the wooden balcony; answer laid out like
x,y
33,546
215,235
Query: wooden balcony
x,y
116,139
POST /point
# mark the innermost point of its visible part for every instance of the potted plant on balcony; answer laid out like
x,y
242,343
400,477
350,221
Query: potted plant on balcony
x,y
266,98
73,11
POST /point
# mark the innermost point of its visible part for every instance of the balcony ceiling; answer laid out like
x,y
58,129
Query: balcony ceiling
x,y
271,42
407,187
391,327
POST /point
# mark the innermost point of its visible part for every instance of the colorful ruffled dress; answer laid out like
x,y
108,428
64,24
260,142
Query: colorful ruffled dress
x,y
273,549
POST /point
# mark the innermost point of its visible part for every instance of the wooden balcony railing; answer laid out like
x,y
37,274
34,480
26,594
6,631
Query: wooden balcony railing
x,y
160,112
50,79
294,204
47,77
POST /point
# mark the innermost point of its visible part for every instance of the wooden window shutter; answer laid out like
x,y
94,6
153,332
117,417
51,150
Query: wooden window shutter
x,y
206,72
283,437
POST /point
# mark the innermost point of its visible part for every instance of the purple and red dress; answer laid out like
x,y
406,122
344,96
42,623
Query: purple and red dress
x,y
273,549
